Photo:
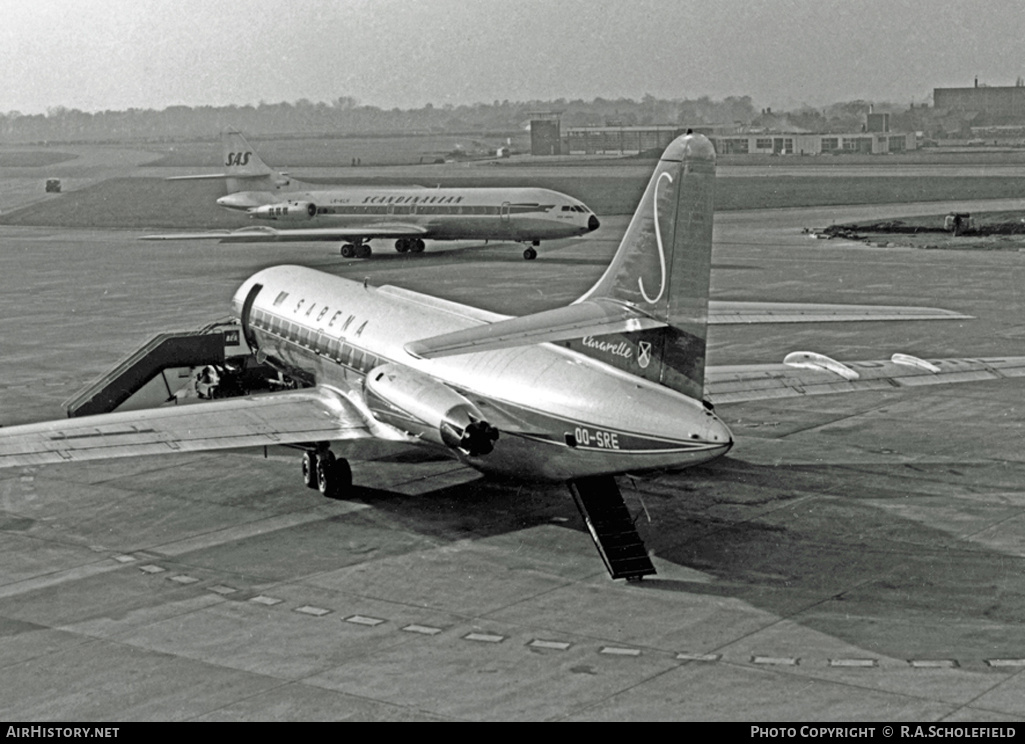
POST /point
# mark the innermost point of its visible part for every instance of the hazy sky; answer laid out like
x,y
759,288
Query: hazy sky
x,y
116,54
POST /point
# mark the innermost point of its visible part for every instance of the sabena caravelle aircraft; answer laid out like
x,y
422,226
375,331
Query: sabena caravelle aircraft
x,y
615,382
296,211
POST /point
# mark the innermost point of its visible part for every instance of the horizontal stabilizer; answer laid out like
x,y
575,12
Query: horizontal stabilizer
x,y
805,373
264,234
211,176
731,313
589,318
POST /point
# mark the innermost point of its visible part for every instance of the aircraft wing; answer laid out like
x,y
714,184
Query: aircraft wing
x,y
590,318
289,417
726,313
264,234
806,373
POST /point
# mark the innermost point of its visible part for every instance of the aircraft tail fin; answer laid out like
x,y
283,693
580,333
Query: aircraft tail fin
x,y
661,271
648,313
244,168
241,161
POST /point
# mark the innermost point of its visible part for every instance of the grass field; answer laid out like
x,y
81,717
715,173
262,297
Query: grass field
x,y
339,152
154,203
144,203
33,158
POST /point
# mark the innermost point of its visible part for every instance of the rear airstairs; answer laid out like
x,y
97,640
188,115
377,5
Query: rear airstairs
x,y
609,523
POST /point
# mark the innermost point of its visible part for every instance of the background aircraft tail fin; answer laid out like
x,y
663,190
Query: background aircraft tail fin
x,y
241,161
661,271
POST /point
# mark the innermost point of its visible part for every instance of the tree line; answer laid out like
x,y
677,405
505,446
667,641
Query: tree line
x,y
346,116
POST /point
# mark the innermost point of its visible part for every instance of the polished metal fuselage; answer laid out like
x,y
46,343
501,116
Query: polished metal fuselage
x,y
516,214
561,414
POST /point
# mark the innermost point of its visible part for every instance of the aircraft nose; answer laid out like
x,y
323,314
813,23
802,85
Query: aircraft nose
x,y
592,223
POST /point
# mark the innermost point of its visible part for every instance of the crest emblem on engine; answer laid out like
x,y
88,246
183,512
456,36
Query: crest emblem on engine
x,y
643,354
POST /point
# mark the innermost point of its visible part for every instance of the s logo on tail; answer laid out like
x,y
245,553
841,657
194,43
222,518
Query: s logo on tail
x,y
661,248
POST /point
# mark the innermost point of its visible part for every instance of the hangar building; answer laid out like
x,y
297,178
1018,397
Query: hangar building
x,y
996,104
630,140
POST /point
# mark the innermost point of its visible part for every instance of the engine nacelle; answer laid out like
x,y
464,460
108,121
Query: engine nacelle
x,y
424,407
285,211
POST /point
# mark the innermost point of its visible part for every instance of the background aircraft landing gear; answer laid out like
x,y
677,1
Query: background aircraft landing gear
x,y
530,254
330,475
410,245
356,250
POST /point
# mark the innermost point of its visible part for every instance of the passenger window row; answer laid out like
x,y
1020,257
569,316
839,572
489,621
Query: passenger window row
x,y
334,348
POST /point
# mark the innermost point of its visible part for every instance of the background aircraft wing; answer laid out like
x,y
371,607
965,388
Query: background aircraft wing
x,y
725,313
308,415
264,234
806,373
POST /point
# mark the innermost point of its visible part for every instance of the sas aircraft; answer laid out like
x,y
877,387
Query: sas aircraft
x,y
291,210
615,382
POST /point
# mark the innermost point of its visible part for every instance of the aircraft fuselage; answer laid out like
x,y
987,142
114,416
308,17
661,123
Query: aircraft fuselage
x,y
517,214
560,415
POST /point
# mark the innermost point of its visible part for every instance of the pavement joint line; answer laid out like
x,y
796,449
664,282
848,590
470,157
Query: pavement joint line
x,y
555,645
775,660
371,622
265,600
619,651
484,637
421,629
311,610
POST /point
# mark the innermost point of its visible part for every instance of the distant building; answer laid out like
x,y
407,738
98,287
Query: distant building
x,y
998,105
869,143
877,123
624,140
632,140
545,134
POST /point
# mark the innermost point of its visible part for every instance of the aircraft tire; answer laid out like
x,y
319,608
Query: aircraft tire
x,y
363,250
530,254
334,477
310,466
348,250
418,246
402,245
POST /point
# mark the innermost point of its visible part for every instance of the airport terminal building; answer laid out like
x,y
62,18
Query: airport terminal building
x,y
630,140
868,143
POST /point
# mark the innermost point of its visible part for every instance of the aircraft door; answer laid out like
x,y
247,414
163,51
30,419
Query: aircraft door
x,y
247,308
503,212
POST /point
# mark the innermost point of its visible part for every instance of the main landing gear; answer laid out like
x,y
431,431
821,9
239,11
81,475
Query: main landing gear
x,y
330,475
531,253
410,245
356,250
